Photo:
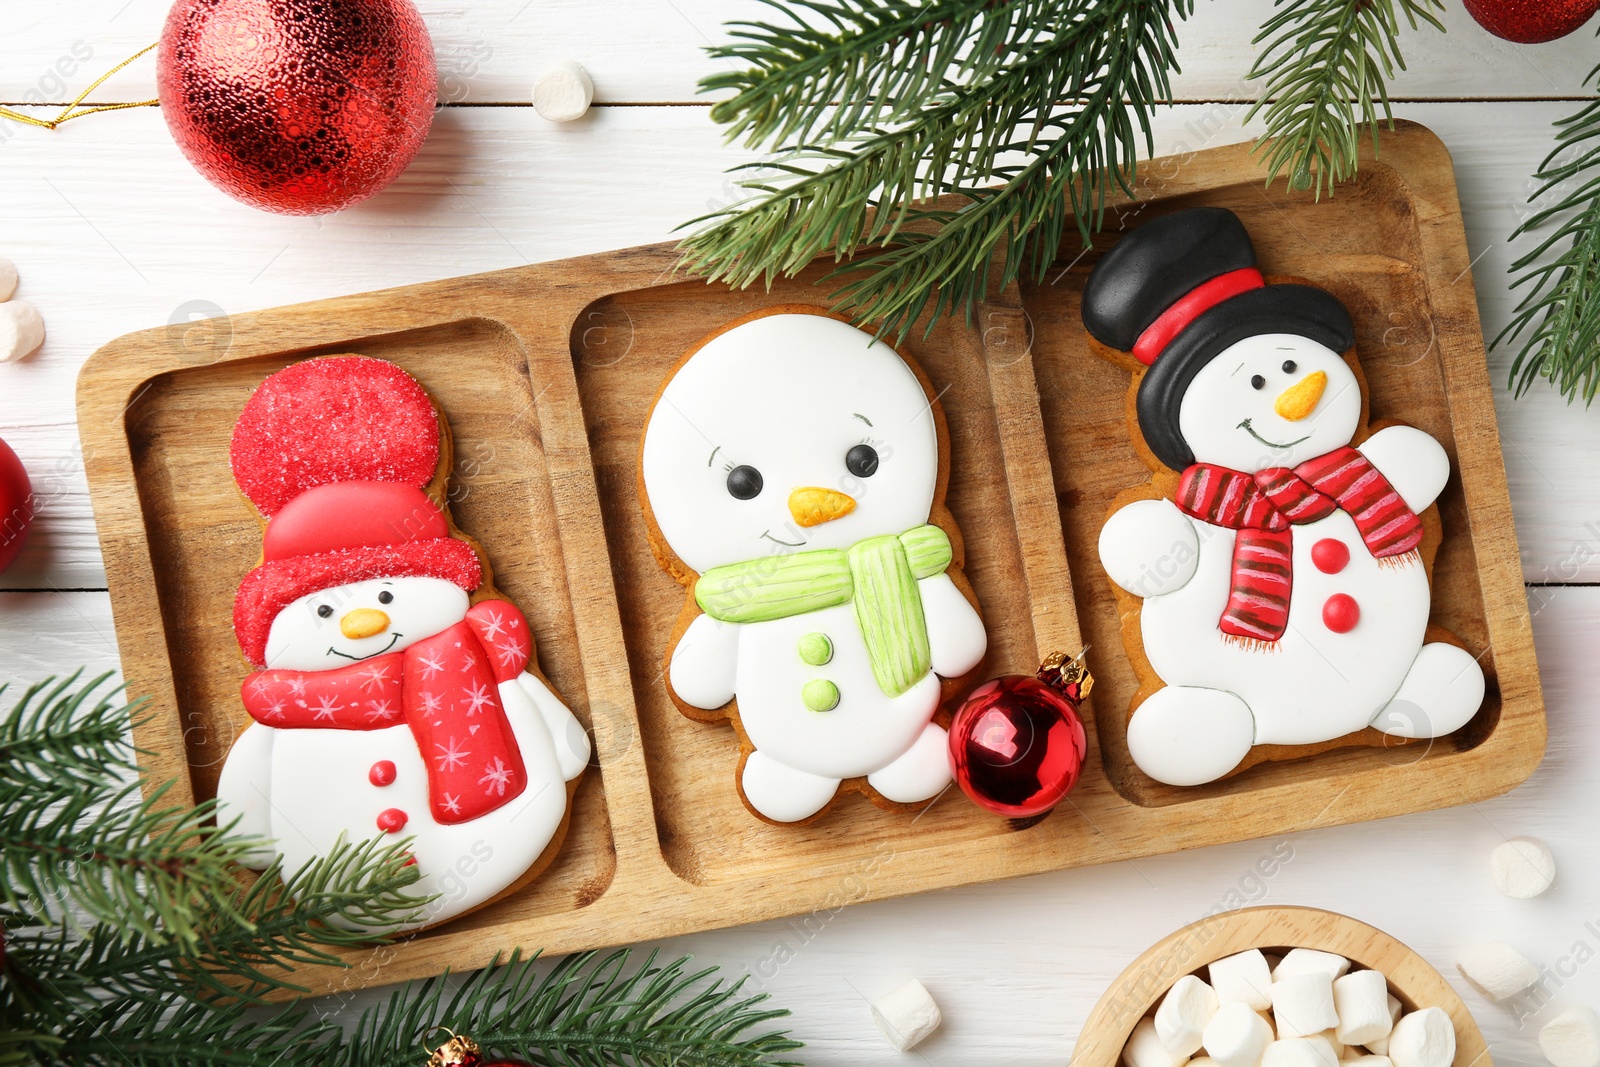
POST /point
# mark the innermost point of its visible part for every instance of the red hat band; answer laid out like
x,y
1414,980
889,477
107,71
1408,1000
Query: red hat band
x,y
1199,300
341,515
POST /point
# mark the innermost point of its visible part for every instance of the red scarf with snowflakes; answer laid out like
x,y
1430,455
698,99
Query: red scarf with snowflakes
x,y
446,688
1266,505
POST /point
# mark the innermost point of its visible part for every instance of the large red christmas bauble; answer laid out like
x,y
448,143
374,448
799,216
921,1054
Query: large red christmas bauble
x,y
297,106
1016,746
16,505
1531,21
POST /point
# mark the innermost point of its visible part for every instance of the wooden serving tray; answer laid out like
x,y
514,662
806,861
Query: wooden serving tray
x,y
1137,992
546,373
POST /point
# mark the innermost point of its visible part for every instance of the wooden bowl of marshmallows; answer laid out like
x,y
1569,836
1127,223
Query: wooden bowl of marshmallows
x,y
1280,987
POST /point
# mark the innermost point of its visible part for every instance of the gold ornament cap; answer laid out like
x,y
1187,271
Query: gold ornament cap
x,y
459,1051
1068,674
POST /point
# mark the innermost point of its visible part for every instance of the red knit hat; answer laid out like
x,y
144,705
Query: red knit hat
x,y
335,452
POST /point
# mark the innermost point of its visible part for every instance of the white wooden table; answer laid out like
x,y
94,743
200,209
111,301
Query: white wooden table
x,y
114,232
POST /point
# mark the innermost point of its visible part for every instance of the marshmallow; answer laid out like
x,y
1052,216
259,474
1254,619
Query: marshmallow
x,y
1522,867
1369,1061
1572,1039
1379,1046
1496,969
1300,1052
1144,1049
21,330
1425,1038
1235,1036
1243,979
563,92
1310,961
1332,1038
1184,1012
1302,1004
1361,999
8,279
907,1014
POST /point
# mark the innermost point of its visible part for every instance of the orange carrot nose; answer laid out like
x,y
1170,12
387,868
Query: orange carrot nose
x,y
813,506
1300,399
363,622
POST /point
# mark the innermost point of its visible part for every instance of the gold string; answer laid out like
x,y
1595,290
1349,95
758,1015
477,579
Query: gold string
x,y
71,111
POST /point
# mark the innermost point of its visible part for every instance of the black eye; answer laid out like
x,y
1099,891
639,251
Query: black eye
x,y
862,461
1289,366
744,482
324,610
386,597
1257,381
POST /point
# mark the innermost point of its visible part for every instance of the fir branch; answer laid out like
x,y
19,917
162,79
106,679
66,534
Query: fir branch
x,y
1327,64
1056,107
1560,311
54,736
174,1030
585,1012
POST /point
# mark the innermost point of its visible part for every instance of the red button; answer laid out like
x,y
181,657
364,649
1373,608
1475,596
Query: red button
x,y
1341,613
382,773
392,820
1330,555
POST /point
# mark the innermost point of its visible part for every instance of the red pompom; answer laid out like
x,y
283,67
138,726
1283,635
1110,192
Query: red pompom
x,y
1531,21
335,419
297,106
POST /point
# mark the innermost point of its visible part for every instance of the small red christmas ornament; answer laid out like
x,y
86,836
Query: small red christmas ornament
x,y
297,106
462,1051
1531,21
1017,744
16,505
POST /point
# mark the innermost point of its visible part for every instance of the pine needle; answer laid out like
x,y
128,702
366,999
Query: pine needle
x,y
1327,64
1559,314
877,106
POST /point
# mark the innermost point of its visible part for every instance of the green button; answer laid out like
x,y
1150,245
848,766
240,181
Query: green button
x,y
816,649
820,694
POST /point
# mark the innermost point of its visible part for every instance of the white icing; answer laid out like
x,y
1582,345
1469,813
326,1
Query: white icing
x,y
571,741
956,638
1441,692
782,793
1221,398
242,788
319,794
781,394
790,395
1414,463
1184,735
703,662
920,772
1313,684
302,640
1149,547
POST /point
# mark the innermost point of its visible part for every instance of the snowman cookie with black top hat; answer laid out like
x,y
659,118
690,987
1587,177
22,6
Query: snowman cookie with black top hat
x,y
1281,563
387,699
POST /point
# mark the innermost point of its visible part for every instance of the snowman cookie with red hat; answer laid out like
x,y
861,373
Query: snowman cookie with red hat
x,y
1280,552
387,699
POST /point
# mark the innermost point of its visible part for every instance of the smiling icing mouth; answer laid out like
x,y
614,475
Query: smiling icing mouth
x,y
394,636
1245,425
786,544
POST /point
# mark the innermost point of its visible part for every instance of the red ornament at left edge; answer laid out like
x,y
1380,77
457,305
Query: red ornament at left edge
x,y
16,505
302,107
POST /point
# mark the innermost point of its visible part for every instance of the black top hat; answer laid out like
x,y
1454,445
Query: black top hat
x,y
1179,290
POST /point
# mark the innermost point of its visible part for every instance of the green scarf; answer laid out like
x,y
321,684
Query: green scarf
x,y
879,575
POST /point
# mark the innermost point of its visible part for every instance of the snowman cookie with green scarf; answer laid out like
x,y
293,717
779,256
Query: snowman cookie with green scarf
x,y
793,474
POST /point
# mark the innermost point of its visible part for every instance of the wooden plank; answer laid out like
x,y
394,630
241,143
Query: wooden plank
x,y
643,51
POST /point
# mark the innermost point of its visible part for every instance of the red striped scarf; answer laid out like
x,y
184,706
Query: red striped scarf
x,y
1265,505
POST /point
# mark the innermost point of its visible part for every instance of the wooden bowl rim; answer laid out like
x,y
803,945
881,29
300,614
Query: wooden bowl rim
x,y
1143,982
